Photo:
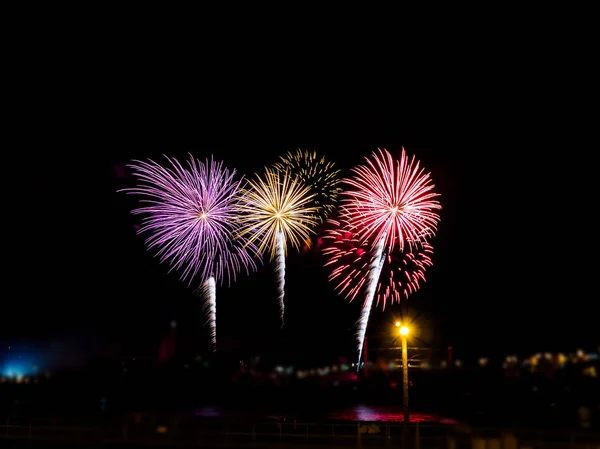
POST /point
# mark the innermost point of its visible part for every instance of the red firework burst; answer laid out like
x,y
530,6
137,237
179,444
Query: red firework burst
x,y
393,200
402,272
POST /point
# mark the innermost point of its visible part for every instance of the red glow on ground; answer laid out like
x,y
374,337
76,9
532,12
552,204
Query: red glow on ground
x,y
386,414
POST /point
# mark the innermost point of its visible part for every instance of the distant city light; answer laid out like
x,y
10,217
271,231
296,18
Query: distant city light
x,y
19,365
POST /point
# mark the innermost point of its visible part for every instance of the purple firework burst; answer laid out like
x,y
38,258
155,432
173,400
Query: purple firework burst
x,y
190,218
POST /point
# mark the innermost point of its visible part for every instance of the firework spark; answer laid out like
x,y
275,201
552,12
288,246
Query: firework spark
x,y
190,220
317,173
275,211
393,200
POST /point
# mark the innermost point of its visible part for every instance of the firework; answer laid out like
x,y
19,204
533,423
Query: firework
x,y
190,220
391,200
275,212
391,209
348,260
317,173
383,278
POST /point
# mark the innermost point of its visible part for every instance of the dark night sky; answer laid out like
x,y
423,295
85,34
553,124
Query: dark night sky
x,y
502,139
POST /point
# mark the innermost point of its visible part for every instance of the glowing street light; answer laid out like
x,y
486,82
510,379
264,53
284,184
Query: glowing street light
x,y
404,330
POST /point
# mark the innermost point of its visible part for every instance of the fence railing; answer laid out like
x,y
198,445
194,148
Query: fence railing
x,y
372,434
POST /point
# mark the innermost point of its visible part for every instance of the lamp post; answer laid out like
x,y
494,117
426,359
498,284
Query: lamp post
x,y
403,334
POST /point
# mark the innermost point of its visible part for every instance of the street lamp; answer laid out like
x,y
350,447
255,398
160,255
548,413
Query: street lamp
x,y
403,333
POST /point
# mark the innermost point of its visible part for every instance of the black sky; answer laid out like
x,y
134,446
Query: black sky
x,y
501,136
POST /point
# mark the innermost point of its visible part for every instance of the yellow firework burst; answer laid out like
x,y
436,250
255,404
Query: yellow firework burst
x,y
275,209
319,174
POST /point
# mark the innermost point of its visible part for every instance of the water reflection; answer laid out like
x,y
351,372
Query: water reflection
x,y
210,412
347,413
385,414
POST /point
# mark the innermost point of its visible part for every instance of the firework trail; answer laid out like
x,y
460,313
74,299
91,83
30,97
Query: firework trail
x,y
316,172
209,290
274,211
190,220
281,274
373,280
390,208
